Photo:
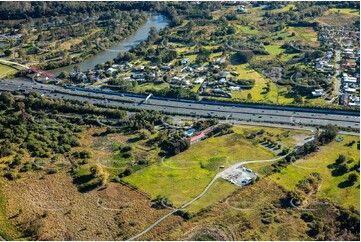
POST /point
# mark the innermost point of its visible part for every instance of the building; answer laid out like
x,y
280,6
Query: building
x,y
198,80
220,60
224,74
343,99
165,68
222,81
111,70
197,138
185,61
349,79
317,93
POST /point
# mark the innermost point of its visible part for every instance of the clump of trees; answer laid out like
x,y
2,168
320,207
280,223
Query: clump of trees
x,y
176,92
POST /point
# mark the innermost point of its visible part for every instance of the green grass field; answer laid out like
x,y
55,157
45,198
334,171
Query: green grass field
x,y
258,92
6,70
248,30
353,12
274,49
318,162
184,176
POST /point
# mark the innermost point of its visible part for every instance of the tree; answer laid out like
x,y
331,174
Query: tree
x,y
64,74
329,134
244,56
249,96
7,52
298,99
342,169
76,68
232,29
341,159
144,133
128,171
353,177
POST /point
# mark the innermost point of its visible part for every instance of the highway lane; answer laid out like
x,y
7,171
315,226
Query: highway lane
x,y
238,112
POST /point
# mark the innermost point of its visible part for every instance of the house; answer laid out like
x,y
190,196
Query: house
x,y
241,9
165,68
188,69
349,79
222,81
329,54
137,76
343,99
176,80
220,60
197,138
234,73
234,88
349,89
354,101
198,80
348,52
224,74
111,70
139,68
185,61
153,67
317,93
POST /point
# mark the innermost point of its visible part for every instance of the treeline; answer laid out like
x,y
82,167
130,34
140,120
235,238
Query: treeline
x,y
34,9
36,102
175,92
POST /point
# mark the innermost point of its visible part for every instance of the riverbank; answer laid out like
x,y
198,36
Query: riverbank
x,y
156,21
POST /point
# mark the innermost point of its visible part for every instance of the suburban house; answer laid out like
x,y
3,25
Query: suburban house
x,y
317,93
224,74
220,60
111,70
343,99
185,61
198,80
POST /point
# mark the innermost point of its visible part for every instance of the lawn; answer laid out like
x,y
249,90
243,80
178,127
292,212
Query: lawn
x,y
146,86
258,91
184,176
319,162
6,70
285,9
274,49
248,30
305,34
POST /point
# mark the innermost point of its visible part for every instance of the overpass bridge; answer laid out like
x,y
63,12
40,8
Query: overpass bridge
x,y
30,68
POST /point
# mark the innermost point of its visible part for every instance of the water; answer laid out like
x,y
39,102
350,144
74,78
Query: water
x,y
2,44
157,21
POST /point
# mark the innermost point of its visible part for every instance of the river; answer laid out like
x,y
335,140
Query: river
x,y
154,20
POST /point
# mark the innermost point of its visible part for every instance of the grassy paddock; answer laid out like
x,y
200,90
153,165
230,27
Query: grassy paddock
x,y
184,176
319,162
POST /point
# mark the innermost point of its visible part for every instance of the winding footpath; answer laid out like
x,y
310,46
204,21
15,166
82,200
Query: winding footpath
x,y
219,175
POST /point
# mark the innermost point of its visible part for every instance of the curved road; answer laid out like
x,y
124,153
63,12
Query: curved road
x,y
220,174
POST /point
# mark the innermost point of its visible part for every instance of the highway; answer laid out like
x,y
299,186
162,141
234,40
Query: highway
x,y
248,112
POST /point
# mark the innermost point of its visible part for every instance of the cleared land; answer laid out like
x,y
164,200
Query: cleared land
x,y
184,176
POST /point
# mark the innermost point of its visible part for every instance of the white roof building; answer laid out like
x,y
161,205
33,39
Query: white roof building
x,y
349,79
198,80
317,93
